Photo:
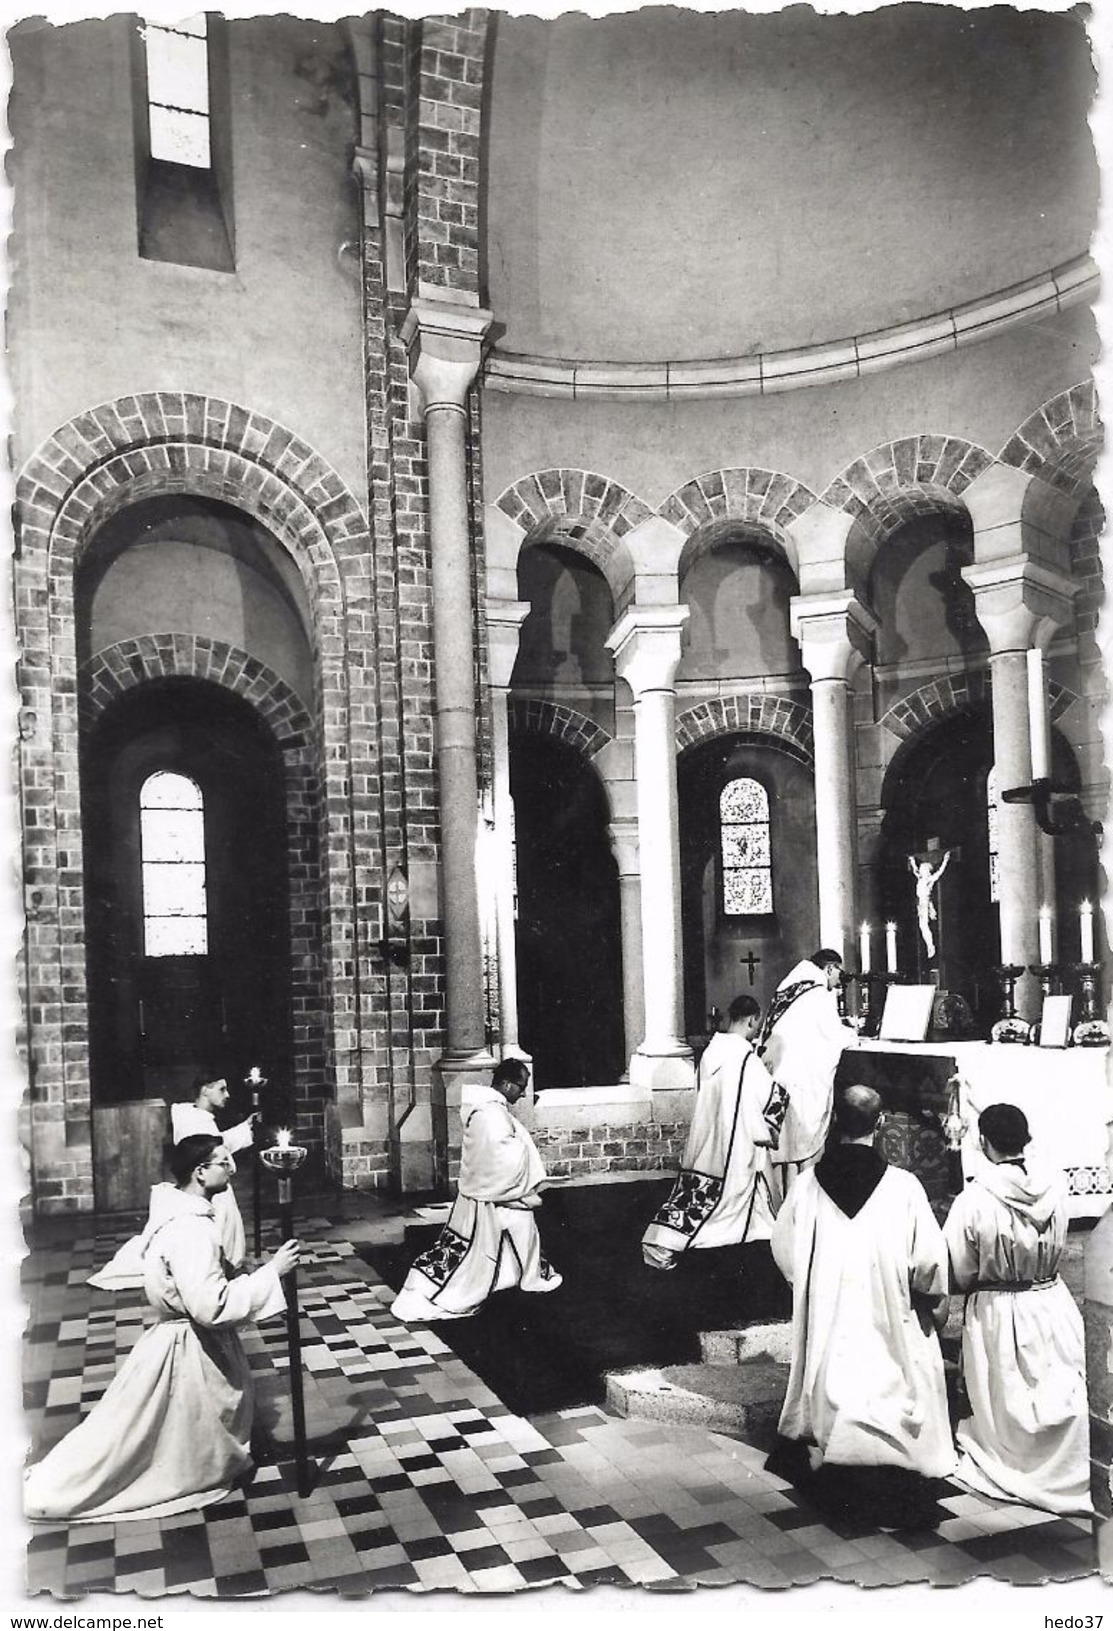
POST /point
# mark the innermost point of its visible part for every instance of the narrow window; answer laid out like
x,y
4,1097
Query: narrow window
x,y
992,805
745,848
178,91
172,855
182,147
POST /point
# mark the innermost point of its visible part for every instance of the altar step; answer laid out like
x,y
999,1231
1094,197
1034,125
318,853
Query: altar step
x,y
739,1387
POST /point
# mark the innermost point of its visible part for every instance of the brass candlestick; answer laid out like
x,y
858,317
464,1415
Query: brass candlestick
x,y
1090,1032
255,1081
285,1159
1010,1027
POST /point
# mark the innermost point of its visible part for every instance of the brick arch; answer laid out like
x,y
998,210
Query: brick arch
x,y
912,476
533,717
938,700
764,500
129,664
1060,442
585,511
101,461
753,713
113,670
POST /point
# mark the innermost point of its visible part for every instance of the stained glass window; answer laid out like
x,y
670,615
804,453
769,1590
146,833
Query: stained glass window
x,y
178,91
172,855
744,845
992,803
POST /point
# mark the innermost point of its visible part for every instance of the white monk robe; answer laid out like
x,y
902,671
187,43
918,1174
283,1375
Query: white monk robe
x,y
803,1038
172,1430
722,1194
866,1385
125,1269
1023,1350
490,1241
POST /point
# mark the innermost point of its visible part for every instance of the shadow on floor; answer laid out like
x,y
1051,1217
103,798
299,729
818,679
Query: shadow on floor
x,y
612,1312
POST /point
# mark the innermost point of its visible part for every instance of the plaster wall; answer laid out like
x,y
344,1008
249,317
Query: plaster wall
x,y
91,321
667,184
980,394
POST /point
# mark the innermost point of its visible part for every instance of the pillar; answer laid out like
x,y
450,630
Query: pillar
x,y
834,632
504,627
646,646
624,840
443,344
1019,602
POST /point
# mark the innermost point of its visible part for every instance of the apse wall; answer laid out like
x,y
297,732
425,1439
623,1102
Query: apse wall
x,y
667,184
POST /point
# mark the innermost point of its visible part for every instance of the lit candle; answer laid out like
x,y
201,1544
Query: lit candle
x,y
1086,930
282,1138
255,1076
864,948
891,947
1045,934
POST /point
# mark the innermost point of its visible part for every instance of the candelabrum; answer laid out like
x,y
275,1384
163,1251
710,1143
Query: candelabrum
x,y
1090,1032
1048,976
285,1159
1010,1027
255,1081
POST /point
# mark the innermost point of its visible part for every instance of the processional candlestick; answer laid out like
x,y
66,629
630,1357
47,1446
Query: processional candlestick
x,y
256,1081
285,1159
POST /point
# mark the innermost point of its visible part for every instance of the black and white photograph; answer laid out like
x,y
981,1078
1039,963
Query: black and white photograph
x,y
557,973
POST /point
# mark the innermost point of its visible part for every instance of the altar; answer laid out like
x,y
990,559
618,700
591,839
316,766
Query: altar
x,y
1066,1094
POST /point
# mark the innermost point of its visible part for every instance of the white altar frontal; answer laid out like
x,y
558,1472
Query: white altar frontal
x,y
1065,1093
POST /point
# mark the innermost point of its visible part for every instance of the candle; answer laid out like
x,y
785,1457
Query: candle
x,y
1038,725
255,1076
891,947
1086,930
864,948
1045,935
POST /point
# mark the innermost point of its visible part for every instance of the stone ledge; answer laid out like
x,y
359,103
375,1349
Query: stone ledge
x,y
743,1399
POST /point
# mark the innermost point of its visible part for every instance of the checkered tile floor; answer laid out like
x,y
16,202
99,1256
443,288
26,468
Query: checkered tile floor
x,y
425,1480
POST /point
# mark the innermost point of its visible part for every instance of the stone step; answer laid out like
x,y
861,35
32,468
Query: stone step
x,y
762,1340
744,1399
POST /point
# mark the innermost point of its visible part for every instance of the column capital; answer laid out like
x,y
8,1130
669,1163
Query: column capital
x,y
444,345
504,627
1019,602
646,646
624,841
834,631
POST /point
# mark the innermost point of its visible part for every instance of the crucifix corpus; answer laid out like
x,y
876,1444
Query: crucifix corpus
x,y
927,867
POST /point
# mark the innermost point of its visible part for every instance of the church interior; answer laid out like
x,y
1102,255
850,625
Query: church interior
x,y
524,530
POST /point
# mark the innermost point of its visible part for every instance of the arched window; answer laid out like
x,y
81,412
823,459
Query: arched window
x,y
992,804
172,854
745,849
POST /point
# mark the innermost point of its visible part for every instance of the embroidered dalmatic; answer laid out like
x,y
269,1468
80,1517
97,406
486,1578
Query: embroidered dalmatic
x,y
1023,1348
802,1040
125,1269
722,1194
172,1430
866,1384
490,1241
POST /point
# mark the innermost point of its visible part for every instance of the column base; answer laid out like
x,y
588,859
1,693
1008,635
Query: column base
x,y
669,1078
453,1070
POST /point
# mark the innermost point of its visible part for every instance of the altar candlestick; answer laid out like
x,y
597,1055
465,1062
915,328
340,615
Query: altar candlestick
x,y
891,947
1045,935
864,948
1086,930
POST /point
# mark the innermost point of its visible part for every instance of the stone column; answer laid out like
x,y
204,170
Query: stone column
x,y
624,838
834,632
646,646
443,343
1019,602
504,626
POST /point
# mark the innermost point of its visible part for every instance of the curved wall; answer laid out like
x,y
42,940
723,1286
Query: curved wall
x,y
834,175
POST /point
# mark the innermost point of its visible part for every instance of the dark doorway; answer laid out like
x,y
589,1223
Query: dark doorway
x,y
155,1021
569,945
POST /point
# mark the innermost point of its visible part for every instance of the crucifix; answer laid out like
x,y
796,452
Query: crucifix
x,y
751,963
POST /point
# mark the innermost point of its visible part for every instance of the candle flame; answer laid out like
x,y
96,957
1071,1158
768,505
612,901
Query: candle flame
x,y
282,1138
1085,907
889,926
